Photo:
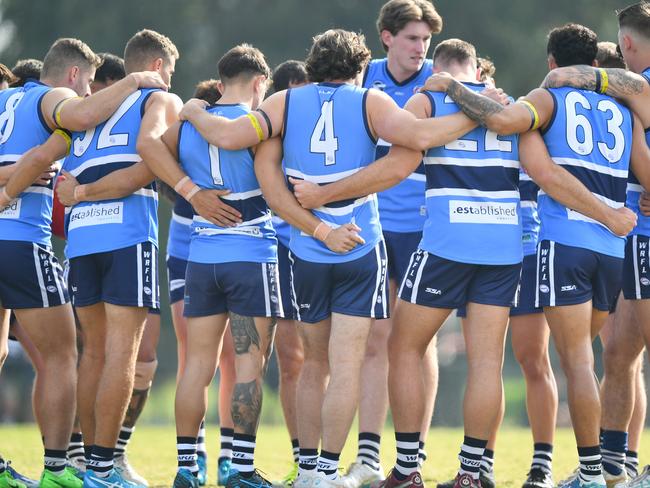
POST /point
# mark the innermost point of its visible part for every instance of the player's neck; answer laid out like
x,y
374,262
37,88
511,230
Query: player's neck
x,y
237,94
398,73
462,75
640,64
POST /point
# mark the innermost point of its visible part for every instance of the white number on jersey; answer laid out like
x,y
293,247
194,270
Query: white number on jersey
x,y
580,134
215,165
8,117
322,139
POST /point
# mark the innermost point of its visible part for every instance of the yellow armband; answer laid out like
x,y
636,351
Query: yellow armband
x,y
604,81
256,125
56,115
533,114
66,136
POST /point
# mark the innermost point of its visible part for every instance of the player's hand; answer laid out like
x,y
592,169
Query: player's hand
x,y
496,94
343,239
644,203
209,206
308,194
65,185
149,79
48,174
191,107
438,82
622,222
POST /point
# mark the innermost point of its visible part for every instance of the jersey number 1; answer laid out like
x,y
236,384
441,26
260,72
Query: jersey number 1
x,y
322,139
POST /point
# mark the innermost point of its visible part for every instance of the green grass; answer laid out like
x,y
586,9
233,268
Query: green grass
x,y
153,452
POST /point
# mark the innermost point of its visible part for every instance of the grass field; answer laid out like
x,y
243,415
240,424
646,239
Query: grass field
x,y
153,452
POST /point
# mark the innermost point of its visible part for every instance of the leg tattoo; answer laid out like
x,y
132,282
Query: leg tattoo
x,y
246,406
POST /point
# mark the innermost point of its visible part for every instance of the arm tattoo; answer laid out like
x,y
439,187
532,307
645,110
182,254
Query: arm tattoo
x,y
246,406
244,333
475,106
622,83
583,77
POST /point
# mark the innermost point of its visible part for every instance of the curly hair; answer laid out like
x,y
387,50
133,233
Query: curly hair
x,y
25,69
572,44
208,90
337,54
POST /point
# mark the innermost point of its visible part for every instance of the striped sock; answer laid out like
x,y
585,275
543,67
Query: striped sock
x,y
55,460
487,461
613,446
3,466
88,453
123,440
470,455
226,443
200,440
543,457
101,461
76,446
422,454
408,446
368,452
590,464
307,460
295,448
186,448
632,464
243,454
328,464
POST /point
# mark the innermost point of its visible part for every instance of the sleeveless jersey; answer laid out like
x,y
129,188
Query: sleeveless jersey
x,y
590,135
472,195
22,127
108,225
326,138
180,229
634,189
210,167
401,208
529,216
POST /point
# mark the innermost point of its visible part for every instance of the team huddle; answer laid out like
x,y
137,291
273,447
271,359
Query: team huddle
x,y
358,187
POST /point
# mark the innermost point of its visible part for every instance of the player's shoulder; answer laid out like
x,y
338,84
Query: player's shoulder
x,y
163,98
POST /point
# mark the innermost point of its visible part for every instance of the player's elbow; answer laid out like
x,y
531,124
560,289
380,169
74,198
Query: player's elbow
x,y
145,147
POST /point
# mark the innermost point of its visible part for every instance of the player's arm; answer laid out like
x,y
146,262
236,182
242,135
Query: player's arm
x,y
242,132
61,107
268,169
33,163
118,184
630,87
388,171
567,189
640,157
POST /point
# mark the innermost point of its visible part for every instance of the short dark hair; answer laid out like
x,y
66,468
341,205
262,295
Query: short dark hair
x,y
68,52
290,71
112,68
395,14
145,46
487,68
452,51
337,54
636,17
208,90
608,56
243,61
26,69
572,44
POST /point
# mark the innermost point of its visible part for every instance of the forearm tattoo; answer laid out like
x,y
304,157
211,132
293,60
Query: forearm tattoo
x,y
244,333
246,406
621,82
476,106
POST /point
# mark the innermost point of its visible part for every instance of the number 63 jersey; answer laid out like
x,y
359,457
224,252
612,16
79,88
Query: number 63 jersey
x,y
94,227
326,138
590,136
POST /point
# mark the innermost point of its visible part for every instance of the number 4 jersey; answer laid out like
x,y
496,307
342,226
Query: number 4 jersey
x,y
107,225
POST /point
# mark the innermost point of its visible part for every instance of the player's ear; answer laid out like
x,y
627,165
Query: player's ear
x,y
551,62
73,74
158,64
386,38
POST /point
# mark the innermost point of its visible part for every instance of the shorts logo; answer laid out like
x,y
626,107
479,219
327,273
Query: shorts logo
x,y
51,289
104,213
274,299
645,281
467,212
433,291
544,288
11,211
378,299
568,288
409,284
147,290
305,305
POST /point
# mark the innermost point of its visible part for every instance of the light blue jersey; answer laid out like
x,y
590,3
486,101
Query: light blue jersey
x,y
210,167
22,127
529,216
591,137
180,229
473,195
326,138
108,225
402,208
282,231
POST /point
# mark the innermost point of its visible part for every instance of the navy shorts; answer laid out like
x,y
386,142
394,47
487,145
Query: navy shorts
x,y
636,274
399,248
30,276
248,289
526,296
284,271
176,278
357,288
127,277
568,275
437,282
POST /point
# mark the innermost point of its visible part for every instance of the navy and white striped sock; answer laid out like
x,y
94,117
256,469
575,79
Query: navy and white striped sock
x,y
543,457
328,464
422,454
470,455
200,440
186,448
487,461
55,460
590,464
408,447
76,446
308,460
123,440
295,449
613,446
101,461
243,454
368,452
226,443
632,464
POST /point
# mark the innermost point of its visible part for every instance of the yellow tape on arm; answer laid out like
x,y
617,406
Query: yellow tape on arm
x,y
66,137
256,125
533,113
57,110
604,80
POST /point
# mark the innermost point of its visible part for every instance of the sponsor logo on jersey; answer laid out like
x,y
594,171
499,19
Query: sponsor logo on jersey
x,y
468,212
99,214
379,85
544,288
11,211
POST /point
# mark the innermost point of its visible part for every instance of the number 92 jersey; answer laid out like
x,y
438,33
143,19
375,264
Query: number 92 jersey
x,y
590,136
326,138
94,227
